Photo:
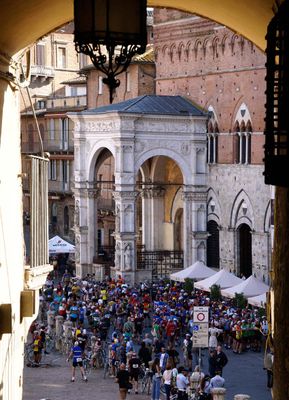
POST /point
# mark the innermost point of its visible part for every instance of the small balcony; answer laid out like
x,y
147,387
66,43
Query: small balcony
x,y
60,187
66,102
42,72
30,148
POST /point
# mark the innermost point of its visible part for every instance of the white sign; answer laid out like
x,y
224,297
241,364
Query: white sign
x,y
200,336
201,314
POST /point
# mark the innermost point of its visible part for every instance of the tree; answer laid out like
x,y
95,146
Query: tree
x,y
215,293
189,285
239,300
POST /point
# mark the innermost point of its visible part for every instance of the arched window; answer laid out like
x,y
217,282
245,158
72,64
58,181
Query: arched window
x,y
212,138
213,249
236,144
242,142
66,220
53,218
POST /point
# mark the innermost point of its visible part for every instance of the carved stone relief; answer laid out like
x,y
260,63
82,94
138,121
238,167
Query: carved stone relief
x,y
127,256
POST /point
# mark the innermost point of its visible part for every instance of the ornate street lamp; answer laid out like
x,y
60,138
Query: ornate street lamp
x,y
110,32
277,99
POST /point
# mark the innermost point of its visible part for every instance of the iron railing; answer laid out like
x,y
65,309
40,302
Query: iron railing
x,y
160,262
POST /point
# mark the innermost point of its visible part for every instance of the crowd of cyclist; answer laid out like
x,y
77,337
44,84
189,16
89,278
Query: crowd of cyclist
x,y
149,327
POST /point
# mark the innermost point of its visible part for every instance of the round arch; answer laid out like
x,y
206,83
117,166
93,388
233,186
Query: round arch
x,y
47,15
94,154
184,167
213,245
244,248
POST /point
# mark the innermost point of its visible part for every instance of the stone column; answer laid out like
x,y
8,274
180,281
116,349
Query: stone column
x,y
157,217
92,196
146,218
80,228
187,197
125,234
85,226
195,233
58,331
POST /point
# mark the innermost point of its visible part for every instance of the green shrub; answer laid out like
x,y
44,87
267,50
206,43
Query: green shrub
x,y
215,293
240,300
189,285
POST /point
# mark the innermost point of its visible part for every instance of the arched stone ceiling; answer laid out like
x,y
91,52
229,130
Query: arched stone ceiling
x,y
22,22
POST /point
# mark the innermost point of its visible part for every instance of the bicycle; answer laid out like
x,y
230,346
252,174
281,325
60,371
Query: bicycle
x,y
98,360
108,367
86,362
146,382
29,353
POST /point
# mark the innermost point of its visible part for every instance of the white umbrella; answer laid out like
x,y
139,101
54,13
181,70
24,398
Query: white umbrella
x,y
250,287
196,271
58,245
258,301
223,278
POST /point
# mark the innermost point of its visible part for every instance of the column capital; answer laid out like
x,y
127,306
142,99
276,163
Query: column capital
x,y
124,195
153,192
93,193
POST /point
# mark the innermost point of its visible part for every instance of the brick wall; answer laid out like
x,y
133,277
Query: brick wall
x,y
212,66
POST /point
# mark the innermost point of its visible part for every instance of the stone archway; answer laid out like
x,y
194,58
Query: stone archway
x,y
134,138
244,238
213,245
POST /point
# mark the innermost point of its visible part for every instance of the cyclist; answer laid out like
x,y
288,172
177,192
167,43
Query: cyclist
x,y
77,360
134,370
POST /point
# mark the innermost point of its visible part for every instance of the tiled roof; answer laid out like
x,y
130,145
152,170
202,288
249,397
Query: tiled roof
x,y
75,81
148,104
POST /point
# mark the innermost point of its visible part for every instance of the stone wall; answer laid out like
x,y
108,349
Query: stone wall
x,y
231,186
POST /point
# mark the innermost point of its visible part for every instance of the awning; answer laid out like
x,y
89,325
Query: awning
x,y
58,245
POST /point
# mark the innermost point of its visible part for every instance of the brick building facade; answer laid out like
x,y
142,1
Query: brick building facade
x,y
224,74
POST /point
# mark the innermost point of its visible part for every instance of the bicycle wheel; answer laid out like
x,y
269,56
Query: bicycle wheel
x,y
49,344
86,366
163,389
29,354
144,383
100,360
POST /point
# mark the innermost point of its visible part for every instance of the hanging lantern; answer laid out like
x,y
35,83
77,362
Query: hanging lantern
x,y
110,32
277,99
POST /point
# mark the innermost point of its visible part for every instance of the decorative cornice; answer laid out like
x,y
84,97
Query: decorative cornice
x,y
117,195
194,196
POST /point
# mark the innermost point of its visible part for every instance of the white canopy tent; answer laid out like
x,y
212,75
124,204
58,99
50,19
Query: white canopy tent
x,y
258,301
196,271
250,287
222,278
58,245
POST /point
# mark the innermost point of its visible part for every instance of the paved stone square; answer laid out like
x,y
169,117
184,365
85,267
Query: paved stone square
x,y
243,374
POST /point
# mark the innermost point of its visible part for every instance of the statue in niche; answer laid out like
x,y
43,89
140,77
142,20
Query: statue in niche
x,y
127,257
117,218
117,257
77,248
76,214
127,216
